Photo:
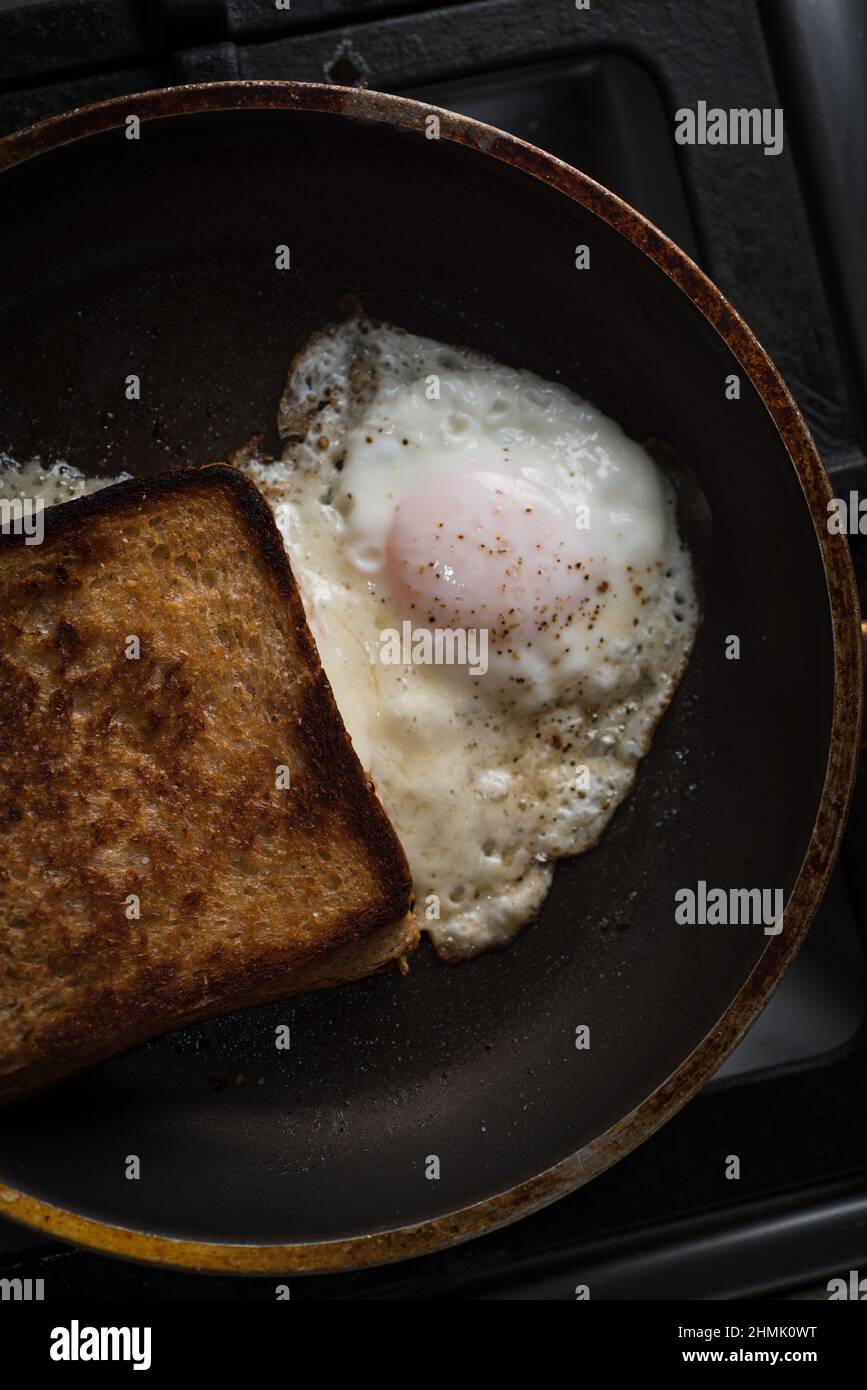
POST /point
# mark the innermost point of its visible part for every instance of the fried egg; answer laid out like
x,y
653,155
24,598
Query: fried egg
x,y
503,605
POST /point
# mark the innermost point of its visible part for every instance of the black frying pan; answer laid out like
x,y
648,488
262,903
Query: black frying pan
x,y
156,257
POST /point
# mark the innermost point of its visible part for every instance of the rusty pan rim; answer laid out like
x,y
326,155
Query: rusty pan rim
x,y
572,1172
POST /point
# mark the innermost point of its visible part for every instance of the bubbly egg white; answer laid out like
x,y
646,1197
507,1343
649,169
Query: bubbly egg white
x,y
52,482
424,485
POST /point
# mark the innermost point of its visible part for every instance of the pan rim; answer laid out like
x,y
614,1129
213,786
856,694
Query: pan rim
x,y
663,1103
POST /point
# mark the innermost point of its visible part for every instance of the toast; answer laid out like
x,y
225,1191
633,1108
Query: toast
x,y
157,680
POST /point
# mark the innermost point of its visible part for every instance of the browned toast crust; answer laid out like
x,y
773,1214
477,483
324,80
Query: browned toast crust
x,y
155,778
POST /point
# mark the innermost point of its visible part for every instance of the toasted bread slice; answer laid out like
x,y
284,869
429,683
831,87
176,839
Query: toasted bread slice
x,y
157,678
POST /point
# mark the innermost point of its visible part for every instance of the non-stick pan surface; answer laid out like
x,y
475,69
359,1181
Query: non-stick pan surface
x,y
156,257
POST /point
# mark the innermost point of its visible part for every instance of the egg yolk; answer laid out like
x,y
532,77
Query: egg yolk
x,y
488,548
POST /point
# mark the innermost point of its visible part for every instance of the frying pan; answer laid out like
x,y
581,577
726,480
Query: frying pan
x,y
156,256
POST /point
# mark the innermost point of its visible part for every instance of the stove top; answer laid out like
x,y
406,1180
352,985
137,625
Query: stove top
x,y
599,88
